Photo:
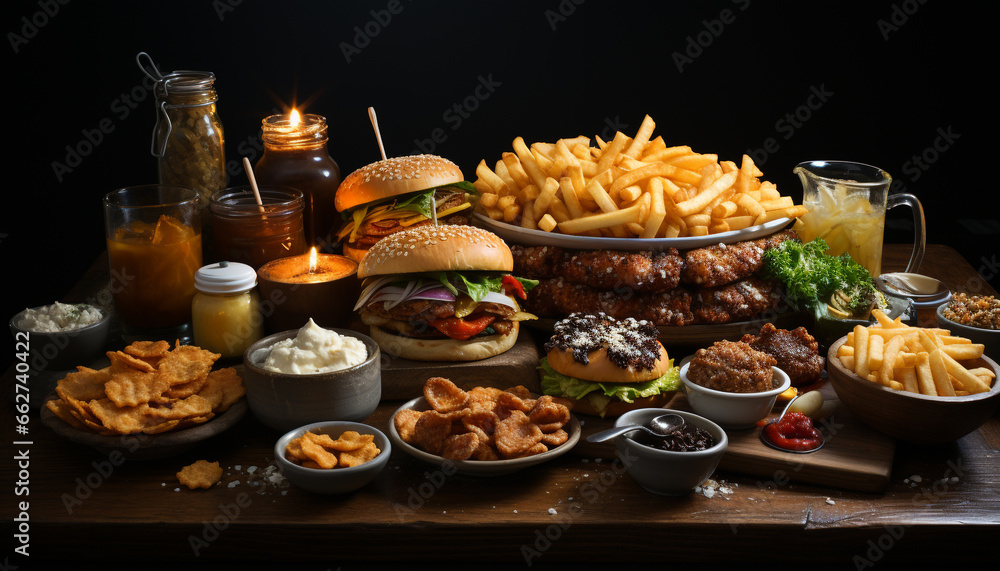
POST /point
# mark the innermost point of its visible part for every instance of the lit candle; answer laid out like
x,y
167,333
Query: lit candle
x,y
323,287
296,155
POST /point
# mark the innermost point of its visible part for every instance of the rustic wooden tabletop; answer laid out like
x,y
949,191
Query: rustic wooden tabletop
x,y
939,503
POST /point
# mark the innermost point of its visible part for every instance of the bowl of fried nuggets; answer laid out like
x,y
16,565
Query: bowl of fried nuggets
x,y
484,431
332,457
151,400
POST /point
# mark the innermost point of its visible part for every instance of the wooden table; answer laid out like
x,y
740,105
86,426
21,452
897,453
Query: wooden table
x,y
943,503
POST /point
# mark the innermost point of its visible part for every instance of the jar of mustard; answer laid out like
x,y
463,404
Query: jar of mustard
x,y
225,312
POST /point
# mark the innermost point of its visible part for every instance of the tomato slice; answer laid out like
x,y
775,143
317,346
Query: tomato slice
x,y
462,327
514,286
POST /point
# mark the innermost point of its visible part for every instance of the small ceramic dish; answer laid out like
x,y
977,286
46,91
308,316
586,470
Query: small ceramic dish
x,y
62,350
733,410
284,401
332,480
667,472
990,338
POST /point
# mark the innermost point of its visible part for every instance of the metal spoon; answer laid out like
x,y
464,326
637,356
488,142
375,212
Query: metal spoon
x,y
916,286
765,440
663,425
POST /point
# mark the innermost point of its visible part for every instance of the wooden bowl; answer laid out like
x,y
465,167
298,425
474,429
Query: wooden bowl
x,y
907,416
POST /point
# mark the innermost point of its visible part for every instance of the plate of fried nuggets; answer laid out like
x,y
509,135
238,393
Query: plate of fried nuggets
x,y
148,389
484,431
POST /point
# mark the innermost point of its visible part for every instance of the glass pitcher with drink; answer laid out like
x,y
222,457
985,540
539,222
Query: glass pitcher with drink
x,y
847,203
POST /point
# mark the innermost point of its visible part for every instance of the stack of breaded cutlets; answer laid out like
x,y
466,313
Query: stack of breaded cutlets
x,y
709,285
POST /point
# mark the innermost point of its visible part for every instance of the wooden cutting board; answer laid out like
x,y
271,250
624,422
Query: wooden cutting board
x,y
855,456
403,379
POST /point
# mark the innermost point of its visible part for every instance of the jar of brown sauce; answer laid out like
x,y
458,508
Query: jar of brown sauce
x,y
255,234
296,156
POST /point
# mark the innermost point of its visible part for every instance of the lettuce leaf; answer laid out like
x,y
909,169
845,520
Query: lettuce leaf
x,y
554,383
420,202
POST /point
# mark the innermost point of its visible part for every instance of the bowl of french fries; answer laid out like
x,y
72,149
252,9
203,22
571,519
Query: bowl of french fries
x,y
629,187
919,385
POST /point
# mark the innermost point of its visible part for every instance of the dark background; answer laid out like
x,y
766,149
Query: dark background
x,y
904,87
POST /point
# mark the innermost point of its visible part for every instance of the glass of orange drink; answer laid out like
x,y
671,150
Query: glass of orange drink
x,y
153,234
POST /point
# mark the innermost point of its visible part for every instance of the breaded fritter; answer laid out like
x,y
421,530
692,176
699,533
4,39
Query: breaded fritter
x,y
732,366
558,297
641,271
796,352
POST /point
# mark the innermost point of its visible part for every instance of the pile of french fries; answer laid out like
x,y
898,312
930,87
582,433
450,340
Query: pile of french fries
x,y
915,359
626,188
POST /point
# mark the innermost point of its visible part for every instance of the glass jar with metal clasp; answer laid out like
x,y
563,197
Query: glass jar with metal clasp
x,y
188,136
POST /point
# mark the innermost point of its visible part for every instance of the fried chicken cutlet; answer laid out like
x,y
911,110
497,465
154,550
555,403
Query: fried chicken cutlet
x,y
738,301
720,264
732,366
796,352
641,271
558,297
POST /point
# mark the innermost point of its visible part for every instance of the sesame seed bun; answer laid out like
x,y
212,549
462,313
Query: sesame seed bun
x,y
430,248
601,369
395,176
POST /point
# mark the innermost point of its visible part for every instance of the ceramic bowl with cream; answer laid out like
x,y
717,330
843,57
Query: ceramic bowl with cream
x,y
312,374
57,338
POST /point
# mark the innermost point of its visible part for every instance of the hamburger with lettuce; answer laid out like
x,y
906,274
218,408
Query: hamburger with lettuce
x,y
442,293
607,367
398,193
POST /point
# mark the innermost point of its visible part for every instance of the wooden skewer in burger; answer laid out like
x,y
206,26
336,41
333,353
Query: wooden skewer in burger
x,y
608,367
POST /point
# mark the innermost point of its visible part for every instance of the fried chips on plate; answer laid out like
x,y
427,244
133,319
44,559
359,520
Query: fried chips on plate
x,y
483,431
148,388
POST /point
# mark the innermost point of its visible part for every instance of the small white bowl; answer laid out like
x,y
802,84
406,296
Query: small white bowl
x,y
733,410
662,471
333,480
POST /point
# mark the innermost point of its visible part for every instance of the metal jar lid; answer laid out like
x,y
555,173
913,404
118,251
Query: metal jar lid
x,y
225,277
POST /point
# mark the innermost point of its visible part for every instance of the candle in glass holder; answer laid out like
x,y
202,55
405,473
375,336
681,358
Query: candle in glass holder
x,y
323,287
255,234
295,155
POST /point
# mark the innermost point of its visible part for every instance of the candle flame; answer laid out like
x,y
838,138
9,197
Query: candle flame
x,y
294,118
312,260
